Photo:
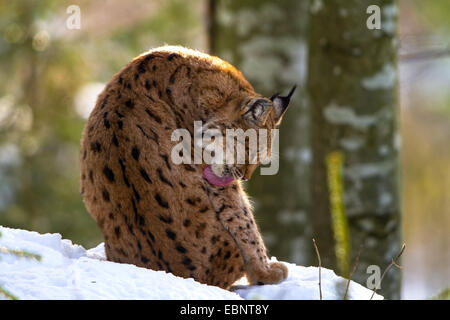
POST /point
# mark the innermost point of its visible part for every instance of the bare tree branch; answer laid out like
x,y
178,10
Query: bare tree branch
x,y
320,268
393,263
353,271
424,55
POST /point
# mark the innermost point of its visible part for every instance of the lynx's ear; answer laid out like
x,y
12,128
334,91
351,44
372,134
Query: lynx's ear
x,y
256,111
280,104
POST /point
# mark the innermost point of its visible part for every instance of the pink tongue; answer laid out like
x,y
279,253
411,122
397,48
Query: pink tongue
x,y
215,180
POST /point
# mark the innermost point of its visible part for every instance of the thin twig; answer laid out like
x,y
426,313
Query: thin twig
x,y
320,268
424,55
393,263
353,271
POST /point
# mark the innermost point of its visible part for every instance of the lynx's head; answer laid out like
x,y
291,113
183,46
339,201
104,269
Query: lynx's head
x,y
239,137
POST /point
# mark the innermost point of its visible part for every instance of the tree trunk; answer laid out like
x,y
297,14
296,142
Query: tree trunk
x,y
352,89
265,40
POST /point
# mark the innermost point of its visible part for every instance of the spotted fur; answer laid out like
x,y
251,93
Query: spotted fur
x,y
163,216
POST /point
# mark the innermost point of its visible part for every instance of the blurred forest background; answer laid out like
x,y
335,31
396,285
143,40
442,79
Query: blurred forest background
x,y
50,76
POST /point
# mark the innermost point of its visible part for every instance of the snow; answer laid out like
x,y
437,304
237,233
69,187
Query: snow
x,y
302,284
68,271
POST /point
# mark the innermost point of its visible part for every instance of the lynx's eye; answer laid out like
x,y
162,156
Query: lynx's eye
x,y
256,111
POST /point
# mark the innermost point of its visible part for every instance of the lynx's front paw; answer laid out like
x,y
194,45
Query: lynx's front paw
x,y
274,272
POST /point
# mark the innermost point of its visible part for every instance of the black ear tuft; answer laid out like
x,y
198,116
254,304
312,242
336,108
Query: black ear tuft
x,y
281,103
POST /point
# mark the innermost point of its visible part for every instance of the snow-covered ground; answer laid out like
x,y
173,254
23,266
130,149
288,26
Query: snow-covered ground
x,y
68,271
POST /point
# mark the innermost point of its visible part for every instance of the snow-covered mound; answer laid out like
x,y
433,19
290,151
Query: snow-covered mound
x,y
302,284
68,271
